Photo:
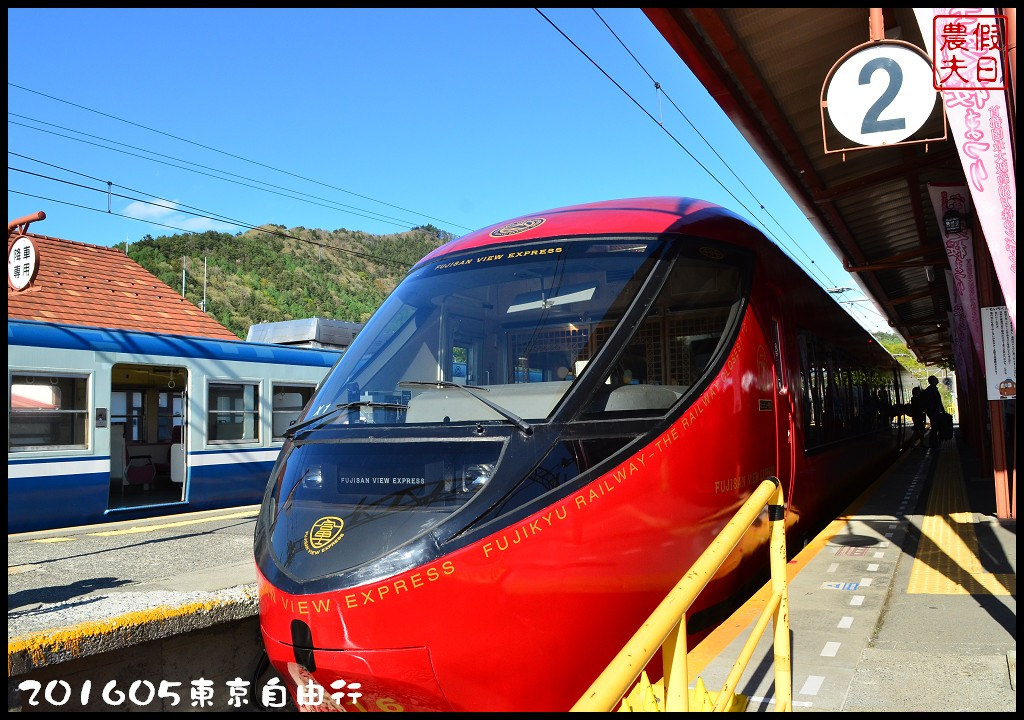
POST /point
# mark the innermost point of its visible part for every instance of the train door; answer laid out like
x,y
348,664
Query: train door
x,y
785,445
148,432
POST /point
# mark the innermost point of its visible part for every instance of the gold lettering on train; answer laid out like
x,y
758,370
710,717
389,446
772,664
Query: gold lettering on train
x,y
499,256
383,591
323,535
524,532
302,607
741,482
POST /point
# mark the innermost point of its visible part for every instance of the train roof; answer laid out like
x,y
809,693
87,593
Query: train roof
x,y
645,215
306,332
686,216
34,333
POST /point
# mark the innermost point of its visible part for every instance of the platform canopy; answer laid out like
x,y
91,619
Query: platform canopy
x,y
876,207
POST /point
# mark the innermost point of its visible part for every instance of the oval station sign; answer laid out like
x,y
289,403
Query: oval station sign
x,y
881,95
22,263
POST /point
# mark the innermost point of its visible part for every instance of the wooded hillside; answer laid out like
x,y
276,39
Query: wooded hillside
x,y
275,273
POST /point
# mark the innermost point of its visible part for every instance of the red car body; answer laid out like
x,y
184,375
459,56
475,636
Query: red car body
x,y
526,616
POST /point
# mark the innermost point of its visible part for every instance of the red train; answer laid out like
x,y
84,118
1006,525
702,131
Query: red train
x,y
534,437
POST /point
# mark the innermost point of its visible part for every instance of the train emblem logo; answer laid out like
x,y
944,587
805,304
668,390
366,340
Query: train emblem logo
x,y
520,226
325,534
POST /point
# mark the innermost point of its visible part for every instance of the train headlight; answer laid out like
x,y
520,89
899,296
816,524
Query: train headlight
x,y
313,478
475,477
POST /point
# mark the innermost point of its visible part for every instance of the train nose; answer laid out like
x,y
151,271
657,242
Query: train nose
x,y
398,680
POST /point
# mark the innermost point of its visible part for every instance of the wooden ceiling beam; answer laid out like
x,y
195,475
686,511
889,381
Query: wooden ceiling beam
x,y
908,168
919,257
911,297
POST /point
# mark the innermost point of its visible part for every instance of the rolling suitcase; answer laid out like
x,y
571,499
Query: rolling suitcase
x,y
945,426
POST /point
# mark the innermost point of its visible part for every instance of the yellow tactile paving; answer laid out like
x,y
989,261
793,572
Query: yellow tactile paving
x,y
136,529
52,540
179,523
946,562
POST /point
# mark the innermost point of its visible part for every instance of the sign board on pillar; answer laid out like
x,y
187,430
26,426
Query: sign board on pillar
x,y
1000,344
879,94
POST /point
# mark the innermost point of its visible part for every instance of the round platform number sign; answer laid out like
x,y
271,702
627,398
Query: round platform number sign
x,y
21,263
881,95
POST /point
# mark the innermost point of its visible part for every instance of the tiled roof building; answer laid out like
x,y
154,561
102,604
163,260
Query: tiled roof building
x,y
80,284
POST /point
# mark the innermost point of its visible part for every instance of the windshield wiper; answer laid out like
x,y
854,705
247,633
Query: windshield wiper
x,y
341,407
469,390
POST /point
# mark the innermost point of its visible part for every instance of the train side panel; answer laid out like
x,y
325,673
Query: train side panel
x,y
64,387
498,606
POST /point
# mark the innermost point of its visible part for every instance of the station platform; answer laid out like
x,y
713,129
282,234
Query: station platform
x,y
905,603
169,599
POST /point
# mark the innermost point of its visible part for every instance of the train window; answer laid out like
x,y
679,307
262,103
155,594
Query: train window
x,y
288,402
675,345
233,412
560,466
519,322
169,410
564,463
840,396
369,498
48,412
129,409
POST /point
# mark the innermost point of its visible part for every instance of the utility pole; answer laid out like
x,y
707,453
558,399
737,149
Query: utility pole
x,y
204,284
183,276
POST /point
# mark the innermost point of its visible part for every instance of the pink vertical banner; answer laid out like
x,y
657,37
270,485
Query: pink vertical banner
x,y
959,333
959,244
968,40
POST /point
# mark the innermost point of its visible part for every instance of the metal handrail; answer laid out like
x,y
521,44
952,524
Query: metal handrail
x,y
666,626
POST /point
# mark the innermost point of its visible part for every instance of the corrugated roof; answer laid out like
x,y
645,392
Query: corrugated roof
x,y
81,284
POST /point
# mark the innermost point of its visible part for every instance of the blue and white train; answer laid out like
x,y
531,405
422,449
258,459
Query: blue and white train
x,y
107,425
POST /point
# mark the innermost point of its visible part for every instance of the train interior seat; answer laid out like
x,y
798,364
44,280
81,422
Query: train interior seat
x,y
139,470
532,401
644,397
129,469
527,400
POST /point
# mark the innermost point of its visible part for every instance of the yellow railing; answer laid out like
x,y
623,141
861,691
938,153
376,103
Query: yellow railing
x,y
666,627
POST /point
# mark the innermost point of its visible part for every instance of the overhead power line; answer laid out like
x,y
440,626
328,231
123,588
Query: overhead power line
x,y
810,271
195,212
660,89
814,269
382,218
232,155
340,206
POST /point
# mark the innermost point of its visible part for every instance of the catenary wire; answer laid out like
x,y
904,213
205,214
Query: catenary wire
x,y
201,214
379,217
823,278
669,133
231,155
711,147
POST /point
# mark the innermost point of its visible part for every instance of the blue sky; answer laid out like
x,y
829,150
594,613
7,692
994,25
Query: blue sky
x,y
367,119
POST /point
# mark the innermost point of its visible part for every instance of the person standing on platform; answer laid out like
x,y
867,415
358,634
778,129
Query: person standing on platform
x,y
917,414
933,407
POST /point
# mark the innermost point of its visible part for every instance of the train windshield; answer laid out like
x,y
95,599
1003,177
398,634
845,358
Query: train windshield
x,y
496,335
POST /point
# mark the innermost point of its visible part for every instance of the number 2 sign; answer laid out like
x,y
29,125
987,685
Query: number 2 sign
x,y
878,94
